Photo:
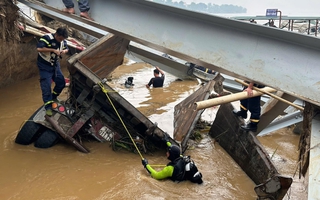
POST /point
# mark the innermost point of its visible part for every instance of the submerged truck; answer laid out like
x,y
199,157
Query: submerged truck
x,y
93,110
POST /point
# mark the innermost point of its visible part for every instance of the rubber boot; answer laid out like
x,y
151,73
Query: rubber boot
x,y
250,127
240,113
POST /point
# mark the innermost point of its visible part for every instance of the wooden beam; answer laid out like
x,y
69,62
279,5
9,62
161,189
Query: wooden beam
x,y
229,98
272,95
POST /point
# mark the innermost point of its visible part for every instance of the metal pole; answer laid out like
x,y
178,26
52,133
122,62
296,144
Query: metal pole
x,y
280,17
289,25
316,33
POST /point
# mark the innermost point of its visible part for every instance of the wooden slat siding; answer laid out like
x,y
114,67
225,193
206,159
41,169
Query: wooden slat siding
x,y
185,116
105,58
245,149
304,144
242,146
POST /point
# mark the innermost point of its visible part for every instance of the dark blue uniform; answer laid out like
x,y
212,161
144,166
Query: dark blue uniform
x,y
253,105
49,68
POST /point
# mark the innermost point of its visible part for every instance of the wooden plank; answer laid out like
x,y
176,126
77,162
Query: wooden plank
x,y
245,149
185,116
229,98
104,56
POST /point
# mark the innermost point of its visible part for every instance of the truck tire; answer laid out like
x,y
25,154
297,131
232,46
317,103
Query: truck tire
x,y
47,139
29,131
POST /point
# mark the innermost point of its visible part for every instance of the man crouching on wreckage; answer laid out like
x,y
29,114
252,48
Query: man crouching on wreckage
x,y
180,168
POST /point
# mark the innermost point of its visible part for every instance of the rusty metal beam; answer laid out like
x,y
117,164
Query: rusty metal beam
x,y
65,136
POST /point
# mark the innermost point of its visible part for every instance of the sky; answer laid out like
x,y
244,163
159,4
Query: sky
x,y
258,7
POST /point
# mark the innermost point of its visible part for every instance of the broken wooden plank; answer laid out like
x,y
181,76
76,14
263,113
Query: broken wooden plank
x,y
185,116
103,56
246,150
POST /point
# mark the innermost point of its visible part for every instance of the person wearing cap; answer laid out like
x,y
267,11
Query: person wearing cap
x,y
157,80
178,169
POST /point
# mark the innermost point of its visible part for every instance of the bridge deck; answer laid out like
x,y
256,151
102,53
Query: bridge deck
x,y
281,59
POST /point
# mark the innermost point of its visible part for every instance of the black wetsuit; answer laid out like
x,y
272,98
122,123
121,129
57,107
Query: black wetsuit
x,y
156,81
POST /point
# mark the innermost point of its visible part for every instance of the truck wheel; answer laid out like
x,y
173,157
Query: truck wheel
x,y
29,131
47,139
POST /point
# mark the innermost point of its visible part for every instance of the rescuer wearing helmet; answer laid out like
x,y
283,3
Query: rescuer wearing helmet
x,y
178,169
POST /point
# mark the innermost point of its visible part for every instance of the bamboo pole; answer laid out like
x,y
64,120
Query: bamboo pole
x,y
272,95
229,98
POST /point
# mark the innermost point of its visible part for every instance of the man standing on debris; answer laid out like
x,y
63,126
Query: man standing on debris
x,y
50,48
83,7
180,168
253,105
157,80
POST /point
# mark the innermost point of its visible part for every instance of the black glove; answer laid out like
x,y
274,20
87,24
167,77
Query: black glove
x,y
165,137
144,162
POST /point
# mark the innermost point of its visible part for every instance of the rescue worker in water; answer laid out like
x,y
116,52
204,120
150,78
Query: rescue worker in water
x,y
180,168
50,48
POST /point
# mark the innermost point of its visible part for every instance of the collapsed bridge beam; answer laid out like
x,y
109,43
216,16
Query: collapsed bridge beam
x,y
253,50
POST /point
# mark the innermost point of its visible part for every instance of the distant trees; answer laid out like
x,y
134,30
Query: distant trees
x,y
202,7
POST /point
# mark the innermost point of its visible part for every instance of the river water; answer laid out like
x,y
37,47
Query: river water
x,y
62,173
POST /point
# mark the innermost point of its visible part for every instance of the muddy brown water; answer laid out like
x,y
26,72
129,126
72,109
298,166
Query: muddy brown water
x,y
62,173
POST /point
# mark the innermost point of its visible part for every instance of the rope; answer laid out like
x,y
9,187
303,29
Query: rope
x,y
158,165
104,90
